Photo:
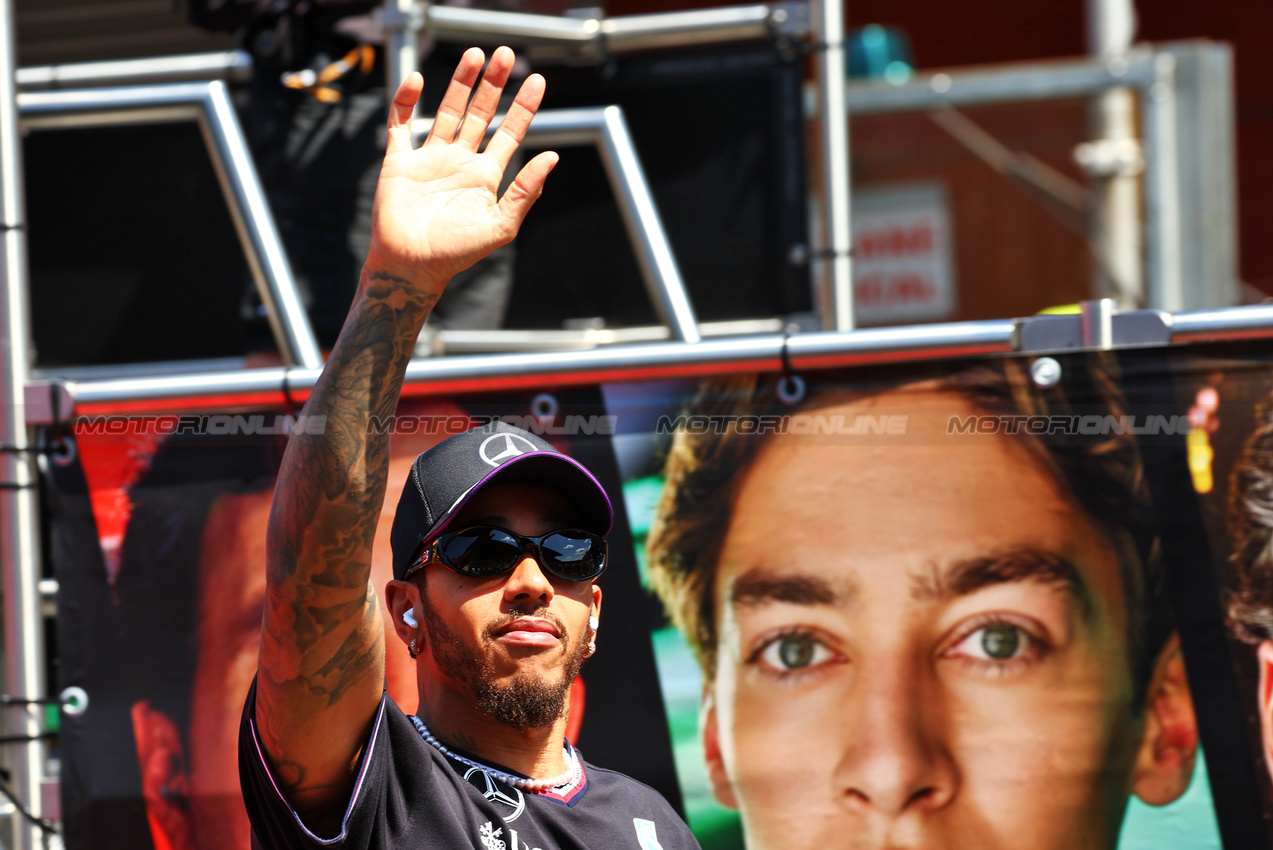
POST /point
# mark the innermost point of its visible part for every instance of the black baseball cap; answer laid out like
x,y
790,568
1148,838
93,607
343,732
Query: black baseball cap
x,y
444,478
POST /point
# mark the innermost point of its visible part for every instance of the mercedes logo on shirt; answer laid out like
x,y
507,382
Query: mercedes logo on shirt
x,y
497,792
498,448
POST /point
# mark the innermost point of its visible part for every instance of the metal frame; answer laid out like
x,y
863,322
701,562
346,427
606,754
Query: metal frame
x,y
209,104
835,284
19,506
576,39
234,65
607,129
592,39
182,390
219,386
1166,125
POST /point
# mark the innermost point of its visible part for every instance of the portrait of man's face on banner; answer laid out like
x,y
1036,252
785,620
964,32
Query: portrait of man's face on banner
x,y
917,617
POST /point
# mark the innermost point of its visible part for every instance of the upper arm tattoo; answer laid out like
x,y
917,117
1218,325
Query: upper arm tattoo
x,y
328,500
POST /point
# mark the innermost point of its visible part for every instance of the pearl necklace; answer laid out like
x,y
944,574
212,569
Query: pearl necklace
x,y
570,777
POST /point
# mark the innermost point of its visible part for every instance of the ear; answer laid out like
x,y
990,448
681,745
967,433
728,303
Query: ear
x,y
1264,656
596,602
165,782
401,597
1169,747
722,790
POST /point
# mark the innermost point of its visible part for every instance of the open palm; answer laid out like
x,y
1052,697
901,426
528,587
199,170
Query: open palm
x,y
436,210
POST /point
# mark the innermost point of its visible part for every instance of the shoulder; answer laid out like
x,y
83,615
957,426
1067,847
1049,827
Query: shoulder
x,y
638,803
614,780
401,789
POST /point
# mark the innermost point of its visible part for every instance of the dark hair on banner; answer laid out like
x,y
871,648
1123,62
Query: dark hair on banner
x,y
1103,473
1250,518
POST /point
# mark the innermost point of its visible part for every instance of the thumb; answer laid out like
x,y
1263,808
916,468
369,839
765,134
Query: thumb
x,y
401,111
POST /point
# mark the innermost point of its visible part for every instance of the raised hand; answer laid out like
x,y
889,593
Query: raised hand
x,y
436,210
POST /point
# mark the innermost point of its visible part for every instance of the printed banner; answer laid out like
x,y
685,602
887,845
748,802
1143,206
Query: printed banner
x,y
1001,602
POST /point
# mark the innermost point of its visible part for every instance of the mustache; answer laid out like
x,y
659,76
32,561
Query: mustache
x,y
540,613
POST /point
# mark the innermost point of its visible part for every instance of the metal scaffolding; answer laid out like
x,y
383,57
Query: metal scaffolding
x,y
1187,194
19,520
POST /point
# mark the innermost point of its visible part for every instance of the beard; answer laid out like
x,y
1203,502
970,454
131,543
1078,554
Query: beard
x,y
527,701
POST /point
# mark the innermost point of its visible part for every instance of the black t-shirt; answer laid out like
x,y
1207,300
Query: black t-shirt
x,y
407,795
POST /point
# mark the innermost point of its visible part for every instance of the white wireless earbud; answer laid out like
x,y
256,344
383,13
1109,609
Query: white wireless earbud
x,y
593,622
409,619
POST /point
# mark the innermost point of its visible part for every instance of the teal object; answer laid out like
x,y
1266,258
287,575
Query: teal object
x,y
640,498
1187,824
881,53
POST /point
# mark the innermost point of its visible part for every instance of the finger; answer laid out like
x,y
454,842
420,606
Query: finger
x,y
526,189
401,110
456,99
486,100
512,130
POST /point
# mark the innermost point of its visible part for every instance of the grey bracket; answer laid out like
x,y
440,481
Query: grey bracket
x,y
47,403
1097,326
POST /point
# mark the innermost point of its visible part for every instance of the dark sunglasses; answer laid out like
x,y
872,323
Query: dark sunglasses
x,y
485,551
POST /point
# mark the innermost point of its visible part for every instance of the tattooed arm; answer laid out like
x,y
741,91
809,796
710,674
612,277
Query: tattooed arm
x,y
321,669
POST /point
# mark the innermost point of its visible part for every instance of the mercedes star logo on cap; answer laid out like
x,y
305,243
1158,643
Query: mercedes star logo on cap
x,y
498,448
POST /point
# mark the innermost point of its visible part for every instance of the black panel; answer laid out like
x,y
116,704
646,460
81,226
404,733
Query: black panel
x,y
720,135
1194,593
133,253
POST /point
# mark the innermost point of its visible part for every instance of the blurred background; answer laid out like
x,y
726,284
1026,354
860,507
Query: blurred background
x,y
982,160
1027,195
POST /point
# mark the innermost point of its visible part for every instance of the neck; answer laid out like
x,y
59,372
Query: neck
x,y
455,719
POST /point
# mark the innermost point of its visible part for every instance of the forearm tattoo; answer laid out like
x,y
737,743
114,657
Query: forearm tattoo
x,y
319,636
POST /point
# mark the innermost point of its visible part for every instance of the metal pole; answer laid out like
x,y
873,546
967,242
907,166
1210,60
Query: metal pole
x,y
835,289
659,270
1115,220
1164,288
605,127
251,212
403,21
19,523
233,65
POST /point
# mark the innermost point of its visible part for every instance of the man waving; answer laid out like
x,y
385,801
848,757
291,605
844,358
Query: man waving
x,y
497,542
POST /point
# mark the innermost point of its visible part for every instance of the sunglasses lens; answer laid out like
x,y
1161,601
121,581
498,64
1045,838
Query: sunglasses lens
x,y
574,555
481,551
